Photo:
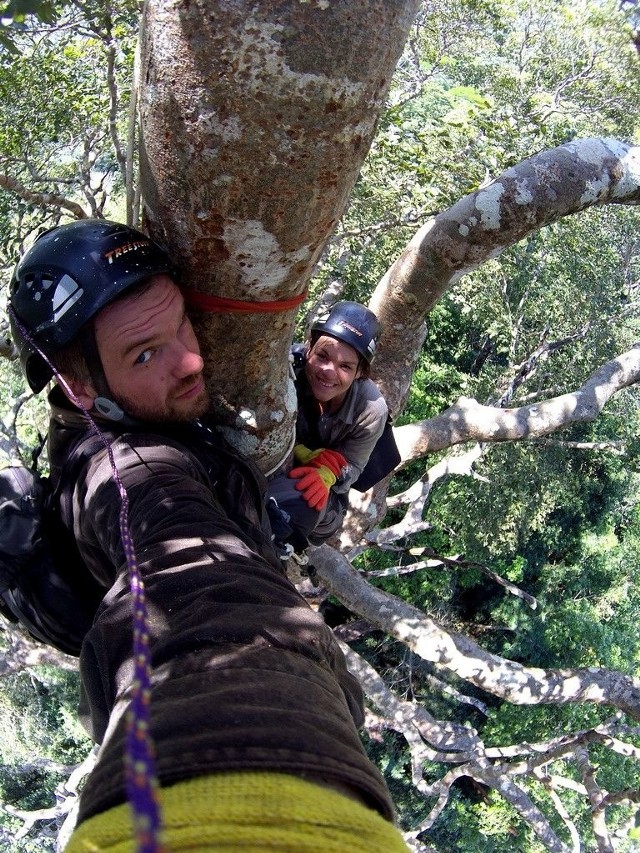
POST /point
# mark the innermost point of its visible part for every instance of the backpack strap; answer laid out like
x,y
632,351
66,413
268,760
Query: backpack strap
x,y
60,500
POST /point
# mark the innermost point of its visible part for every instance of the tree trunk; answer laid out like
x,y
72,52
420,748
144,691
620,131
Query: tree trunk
x,y
256,118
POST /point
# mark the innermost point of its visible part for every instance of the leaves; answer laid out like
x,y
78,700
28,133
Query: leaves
x,y
14,14
482,85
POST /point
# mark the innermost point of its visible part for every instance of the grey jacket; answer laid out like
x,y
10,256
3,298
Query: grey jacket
x,y
353,430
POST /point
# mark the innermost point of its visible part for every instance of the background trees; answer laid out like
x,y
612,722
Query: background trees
x,y
479,88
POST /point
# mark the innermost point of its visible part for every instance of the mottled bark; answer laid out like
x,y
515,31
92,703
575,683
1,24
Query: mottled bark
x,y
51,200
256,119
468,420
536,192
457,653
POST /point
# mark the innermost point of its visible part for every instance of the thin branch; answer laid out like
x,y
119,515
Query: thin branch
x,y
113,111
132,130
454,563
42,199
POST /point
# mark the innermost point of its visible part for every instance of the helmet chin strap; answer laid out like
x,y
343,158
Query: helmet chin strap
x,y
109,409
103,403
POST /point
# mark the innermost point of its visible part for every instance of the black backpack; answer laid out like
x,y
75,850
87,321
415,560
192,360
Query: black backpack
x,y
44,583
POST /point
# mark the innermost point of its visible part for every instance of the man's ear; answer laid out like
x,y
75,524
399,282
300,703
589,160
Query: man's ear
x,y
83,390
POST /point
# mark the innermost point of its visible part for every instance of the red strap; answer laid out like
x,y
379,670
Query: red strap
x,y
220,304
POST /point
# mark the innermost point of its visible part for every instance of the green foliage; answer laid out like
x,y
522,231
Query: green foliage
x,y
480,820
13,15
40,740
482,85
56,144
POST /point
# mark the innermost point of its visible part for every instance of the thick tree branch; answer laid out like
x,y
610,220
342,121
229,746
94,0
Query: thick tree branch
x,y
617,448
468,420
496,675
41,199
534,193
449,741
497,767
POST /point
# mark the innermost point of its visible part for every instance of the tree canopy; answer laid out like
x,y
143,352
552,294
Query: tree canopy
x,y
468,169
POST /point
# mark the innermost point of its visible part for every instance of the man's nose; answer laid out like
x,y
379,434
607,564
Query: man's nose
x,y
188,361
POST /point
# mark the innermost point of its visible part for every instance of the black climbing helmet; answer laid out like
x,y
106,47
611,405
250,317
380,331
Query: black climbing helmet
x,y
67,276
352,323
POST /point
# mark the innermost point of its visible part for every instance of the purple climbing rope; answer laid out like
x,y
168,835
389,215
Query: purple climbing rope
x,y
139,759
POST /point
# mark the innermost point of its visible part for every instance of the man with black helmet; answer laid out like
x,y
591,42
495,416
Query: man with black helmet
x,y
251,708
341,416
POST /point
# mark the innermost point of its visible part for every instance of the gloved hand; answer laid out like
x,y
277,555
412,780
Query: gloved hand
x,y
331,459
314,483
303,454
318,475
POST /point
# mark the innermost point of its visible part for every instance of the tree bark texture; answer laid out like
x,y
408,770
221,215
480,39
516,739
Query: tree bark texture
x,y
524,198
256,118
498,676
468,420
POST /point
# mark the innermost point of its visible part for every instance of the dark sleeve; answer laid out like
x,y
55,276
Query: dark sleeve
x,y
205,584
245,675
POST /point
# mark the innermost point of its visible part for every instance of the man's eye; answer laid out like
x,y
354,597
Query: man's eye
x,y
144,357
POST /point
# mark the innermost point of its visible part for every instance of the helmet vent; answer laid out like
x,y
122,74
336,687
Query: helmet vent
x,y
65,297
37,284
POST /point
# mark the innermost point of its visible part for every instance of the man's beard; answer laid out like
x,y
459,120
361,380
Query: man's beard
x,y
170,413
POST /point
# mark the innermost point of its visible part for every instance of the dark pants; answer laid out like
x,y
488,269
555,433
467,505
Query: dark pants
x,y
306,525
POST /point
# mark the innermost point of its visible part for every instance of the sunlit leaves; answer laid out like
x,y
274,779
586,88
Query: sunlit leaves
x,y
14,15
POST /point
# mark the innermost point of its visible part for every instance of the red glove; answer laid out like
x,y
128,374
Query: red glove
x,y
316,477
330,459
314,483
